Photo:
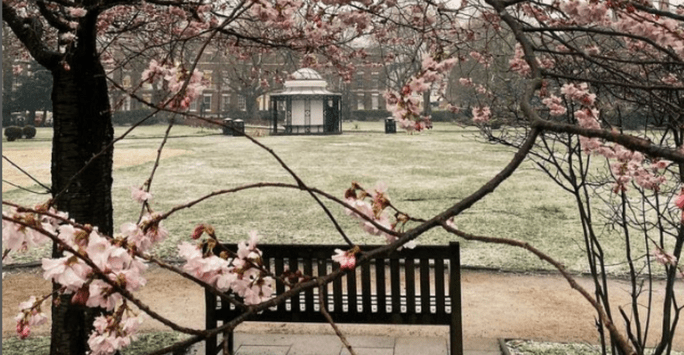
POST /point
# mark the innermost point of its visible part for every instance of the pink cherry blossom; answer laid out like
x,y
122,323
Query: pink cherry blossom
x,y
67,271
346,259
679,201
481,114
555,105
29,315
139,195
112,333
77,11
467,82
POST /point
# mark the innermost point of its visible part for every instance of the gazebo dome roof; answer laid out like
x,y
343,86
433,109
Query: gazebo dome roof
x,y
306,74
305,82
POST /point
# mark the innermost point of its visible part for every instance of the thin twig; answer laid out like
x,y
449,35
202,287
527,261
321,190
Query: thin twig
x,y
324,312
25,173
25,189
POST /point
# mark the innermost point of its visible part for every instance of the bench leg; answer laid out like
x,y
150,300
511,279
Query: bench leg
x,y
210,346
228,343
455,341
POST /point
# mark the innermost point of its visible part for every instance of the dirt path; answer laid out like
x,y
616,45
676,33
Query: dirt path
x,y
495,305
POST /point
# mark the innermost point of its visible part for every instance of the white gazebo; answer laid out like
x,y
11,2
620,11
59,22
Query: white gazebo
x,y
305,106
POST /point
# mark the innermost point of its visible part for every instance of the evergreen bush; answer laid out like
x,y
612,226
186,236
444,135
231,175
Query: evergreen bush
x,y
29,131
13,132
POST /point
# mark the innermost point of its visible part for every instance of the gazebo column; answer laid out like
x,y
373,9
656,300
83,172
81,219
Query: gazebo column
x,y
274,107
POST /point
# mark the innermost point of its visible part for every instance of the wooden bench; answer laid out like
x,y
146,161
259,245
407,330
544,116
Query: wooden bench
x,y
412,286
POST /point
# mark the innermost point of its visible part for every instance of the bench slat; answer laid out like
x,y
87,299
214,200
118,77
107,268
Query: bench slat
x,y
395,285
425,286
322,270
366,287
337,291
439,285
293,265
380,284
351,292
308,294
410,281
280,288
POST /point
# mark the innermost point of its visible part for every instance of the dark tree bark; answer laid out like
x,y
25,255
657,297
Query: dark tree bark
x,y
82,130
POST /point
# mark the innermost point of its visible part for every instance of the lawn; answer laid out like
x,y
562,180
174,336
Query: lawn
x,y
426,173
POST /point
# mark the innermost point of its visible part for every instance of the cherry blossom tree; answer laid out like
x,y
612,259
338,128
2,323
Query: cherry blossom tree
x,y
557,53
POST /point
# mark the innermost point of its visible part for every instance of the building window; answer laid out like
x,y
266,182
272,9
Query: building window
x,y
193,106
359,102
206,103
126,104
225,103
225,80
209,79
375,102
358,80
242,103
126,82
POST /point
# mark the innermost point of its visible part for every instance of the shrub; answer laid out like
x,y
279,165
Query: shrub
x,y
29,131
369,115
13,132
125,118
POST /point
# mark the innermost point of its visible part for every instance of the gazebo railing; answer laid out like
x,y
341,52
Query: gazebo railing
x,y
304,129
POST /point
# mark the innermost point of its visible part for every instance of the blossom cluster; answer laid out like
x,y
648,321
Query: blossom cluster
x,y
242,273
113,332
346,259
555,105
20,237
174,81
406,105
374,206
92,266
481,114
625,165
519,65
29,315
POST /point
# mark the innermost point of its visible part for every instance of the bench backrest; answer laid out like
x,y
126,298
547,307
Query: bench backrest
x,y
412,286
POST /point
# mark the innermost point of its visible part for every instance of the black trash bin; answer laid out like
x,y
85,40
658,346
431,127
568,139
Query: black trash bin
x,y
390,125
239,126
227,123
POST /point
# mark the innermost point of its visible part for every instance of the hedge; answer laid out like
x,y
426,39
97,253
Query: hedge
x,y
369,115
29,131
13,132
127,118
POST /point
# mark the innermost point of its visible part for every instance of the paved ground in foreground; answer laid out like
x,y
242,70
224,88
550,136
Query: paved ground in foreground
x,y
495,305
314,344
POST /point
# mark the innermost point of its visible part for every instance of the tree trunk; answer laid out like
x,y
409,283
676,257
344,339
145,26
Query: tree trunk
x,y
82,129
7,79
427,108
31,120
252,109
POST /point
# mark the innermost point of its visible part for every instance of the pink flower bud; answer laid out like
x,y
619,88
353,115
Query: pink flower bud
x,y
81,296
197,232
23,331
